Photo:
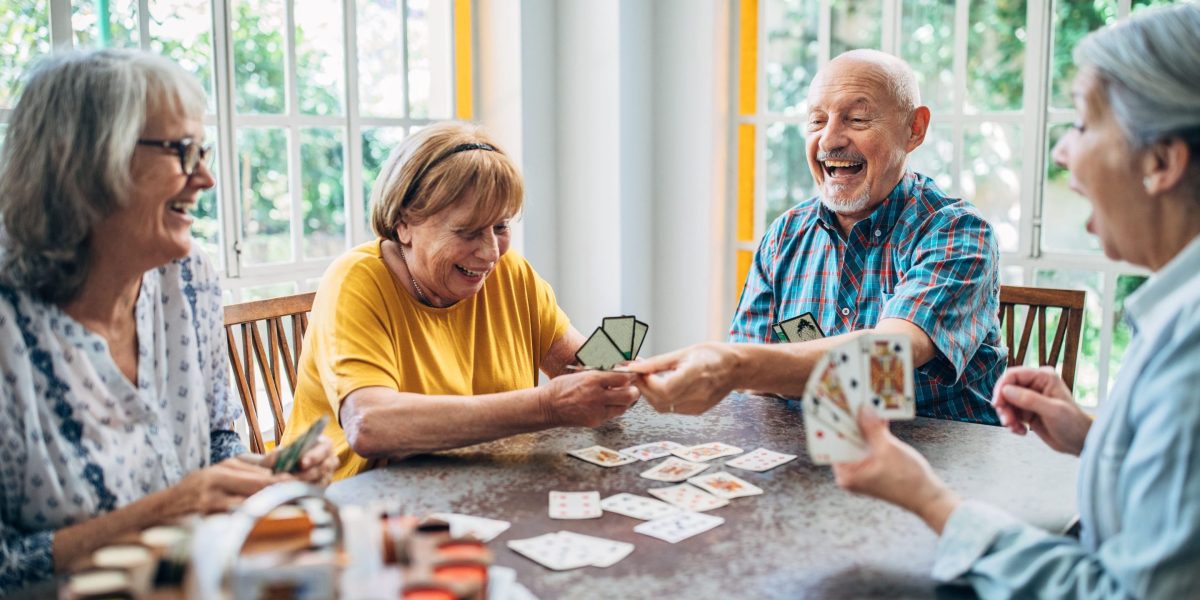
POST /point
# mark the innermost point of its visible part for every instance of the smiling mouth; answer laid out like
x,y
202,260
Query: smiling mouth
x,y
468,272
180,207
836,168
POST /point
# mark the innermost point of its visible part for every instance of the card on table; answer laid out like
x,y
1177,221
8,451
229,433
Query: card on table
x,y
760,460
678,527
688,497
603,552
600,352
288,458
673,470
575,505
803,328
652,450
890,375
605,457
638,507
554,551
480,528
725,485
709,451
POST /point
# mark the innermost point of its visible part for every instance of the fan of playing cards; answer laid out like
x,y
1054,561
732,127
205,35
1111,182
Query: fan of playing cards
x,y
617,340
876,370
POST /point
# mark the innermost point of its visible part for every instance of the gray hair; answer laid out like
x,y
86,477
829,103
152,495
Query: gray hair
x,y
65,164
1149,66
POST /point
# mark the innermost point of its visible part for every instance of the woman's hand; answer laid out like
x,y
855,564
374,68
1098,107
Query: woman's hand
x,y
1038,399
895,472
223,486
318,464
589,398
688,381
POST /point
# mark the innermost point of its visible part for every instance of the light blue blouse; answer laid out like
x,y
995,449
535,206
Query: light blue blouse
x,y
78,439
1139,479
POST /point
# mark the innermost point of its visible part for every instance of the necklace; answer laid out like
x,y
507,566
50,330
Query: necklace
x,y
420,293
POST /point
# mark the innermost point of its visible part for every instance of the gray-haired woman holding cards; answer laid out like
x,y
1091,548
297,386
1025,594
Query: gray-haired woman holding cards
x,y
116,408
1134,153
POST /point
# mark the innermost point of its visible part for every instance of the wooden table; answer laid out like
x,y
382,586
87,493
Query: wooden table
x,y
803,538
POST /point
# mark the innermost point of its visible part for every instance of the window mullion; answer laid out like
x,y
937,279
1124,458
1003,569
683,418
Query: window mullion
x,y
144,24
824,32
1038,52
404,58
228,213
295,191
962,27
355,230
61,35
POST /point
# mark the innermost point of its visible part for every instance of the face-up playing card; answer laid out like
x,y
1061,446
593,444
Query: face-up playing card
x,y
480,528
575,505
621,330
678,527
803,328
888,364
688,497
725,485
638,507
605,457
673,469
652,450
831,392
604,553
707,451
600,351
760,460
554,552
827,445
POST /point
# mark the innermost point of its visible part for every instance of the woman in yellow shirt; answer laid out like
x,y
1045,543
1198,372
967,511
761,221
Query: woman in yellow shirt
x,y
431,337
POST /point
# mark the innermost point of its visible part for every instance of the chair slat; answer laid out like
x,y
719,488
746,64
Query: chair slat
x,y
1065,344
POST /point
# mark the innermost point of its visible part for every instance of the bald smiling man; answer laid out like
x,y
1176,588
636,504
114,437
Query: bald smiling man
x,y
880,248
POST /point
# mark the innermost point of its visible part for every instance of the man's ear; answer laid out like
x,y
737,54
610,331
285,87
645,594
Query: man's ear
x,y
1165,165
917,128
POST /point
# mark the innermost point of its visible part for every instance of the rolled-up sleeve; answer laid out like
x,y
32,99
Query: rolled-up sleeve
x,y
951,289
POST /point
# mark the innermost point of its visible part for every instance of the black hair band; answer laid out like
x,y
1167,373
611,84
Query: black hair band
x,y
455,150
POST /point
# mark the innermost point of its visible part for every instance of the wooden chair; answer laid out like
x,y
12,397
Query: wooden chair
x,y
1065,342
246,348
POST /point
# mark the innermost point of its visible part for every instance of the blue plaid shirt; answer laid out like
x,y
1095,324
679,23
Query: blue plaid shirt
x,y
921,257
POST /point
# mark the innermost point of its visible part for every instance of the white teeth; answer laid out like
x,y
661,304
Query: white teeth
x,y
840,163
469,272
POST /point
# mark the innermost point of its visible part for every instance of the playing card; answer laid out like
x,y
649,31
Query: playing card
x,y
600,351
678,527
480,528
605,457
829,394
828,445
780,336
288,459
652,450
803,328
760,460
639,335
707,451
603,553
575,505
554,551
688,497
889,369
620,330
725,485
673,469
638,507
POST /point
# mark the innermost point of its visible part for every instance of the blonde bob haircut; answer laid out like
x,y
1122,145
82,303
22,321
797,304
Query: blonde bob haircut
x,y
436,168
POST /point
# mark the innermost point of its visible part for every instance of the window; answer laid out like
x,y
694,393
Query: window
x,y
996,75
306,100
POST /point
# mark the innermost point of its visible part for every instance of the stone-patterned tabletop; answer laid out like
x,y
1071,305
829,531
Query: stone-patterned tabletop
x,y
804,537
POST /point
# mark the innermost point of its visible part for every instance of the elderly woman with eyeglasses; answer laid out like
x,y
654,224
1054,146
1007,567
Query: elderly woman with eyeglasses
x,y
117,413
1135,154
431,336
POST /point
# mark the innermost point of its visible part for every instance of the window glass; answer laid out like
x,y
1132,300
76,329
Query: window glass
x,y
791,53
991,177
320,58
789,180
377,142
118,28
1072,21
854,24
996,55
266,200
182,31
1064,212
323,193
206,230
429,59
935,157
382,85
258,56
927,43
25,37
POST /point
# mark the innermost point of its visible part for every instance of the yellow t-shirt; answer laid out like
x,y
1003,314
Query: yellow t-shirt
x,y
365,331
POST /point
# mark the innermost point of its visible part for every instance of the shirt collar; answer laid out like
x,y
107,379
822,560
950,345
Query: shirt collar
x,y
885,216
1176,283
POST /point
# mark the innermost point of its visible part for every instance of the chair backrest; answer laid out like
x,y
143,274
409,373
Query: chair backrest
x,y
246,348
1065,340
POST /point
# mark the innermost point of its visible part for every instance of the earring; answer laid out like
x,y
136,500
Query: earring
x,y
1146,183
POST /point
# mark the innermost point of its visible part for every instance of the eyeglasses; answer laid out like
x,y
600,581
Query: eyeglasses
x,y
190,153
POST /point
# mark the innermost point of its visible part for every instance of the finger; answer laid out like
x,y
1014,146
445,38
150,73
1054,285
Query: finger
x,y
874,429
318,453
243,484
1026,400
654,364
614,379
656,387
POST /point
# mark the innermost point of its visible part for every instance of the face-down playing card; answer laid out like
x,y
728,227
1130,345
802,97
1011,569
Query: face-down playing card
x,y
600,352
621,331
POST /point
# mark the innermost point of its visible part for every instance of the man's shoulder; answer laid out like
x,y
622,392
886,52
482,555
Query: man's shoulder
x,y
797,219
929,201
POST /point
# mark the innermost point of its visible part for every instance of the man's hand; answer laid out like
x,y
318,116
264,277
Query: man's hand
x,y
688,381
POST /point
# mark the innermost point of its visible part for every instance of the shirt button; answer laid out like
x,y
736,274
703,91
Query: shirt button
x,y
845,312
878,233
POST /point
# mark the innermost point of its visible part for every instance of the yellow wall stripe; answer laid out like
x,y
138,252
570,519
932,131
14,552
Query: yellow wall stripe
x,y
744,257
748,67
745,183
464,92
